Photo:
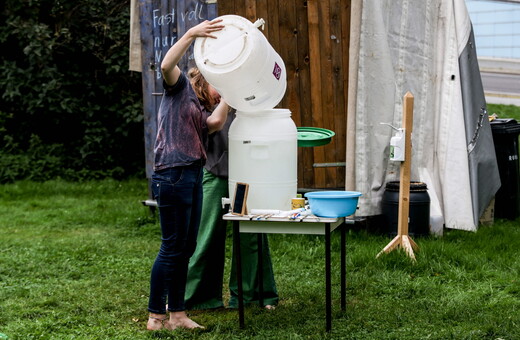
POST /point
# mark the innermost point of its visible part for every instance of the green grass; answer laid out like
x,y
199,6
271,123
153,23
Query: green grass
x,y
75,260
504,111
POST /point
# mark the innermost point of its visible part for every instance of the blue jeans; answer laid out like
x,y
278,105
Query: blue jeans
x,y
178,192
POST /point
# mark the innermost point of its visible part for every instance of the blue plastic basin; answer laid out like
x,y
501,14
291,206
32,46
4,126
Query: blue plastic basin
x,y
333,203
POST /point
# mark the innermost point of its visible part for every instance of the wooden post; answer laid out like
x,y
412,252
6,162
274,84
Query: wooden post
x,y
402,239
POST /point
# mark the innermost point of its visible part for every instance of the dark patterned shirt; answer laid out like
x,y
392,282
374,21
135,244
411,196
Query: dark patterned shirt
x,y
182,132
217,162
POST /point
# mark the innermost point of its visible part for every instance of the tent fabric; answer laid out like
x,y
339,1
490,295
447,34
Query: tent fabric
x,y
484,176
415,46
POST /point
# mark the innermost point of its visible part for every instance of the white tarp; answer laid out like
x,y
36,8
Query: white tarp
x,y
404,45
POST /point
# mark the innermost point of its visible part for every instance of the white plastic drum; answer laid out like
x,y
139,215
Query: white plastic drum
x,y
242,65
263,152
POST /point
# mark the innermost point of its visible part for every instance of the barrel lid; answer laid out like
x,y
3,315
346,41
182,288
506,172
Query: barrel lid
x,y
230,48
414,186
313,136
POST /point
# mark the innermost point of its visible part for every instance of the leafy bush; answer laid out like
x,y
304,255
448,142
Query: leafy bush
x,y
69,105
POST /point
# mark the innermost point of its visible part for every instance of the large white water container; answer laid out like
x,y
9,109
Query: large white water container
x,y
263,151
241,65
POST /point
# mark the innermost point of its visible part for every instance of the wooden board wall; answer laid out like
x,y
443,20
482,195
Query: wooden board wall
x,y
312,37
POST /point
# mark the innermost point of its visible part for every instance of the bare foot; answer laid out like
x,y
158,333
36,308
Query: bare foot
x,y
156,321
181,320
270,307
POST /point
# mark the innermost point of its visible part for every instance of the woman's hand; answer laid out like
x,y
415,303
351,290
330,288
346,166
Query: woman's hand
x,y
206,28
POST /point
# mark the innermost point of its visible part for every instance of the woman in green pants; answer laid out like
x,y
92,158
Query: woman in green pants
x,y
206,267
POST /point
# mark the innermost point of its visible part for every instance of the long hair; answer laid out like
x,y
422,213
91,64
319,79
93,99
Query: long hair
x,y
200,86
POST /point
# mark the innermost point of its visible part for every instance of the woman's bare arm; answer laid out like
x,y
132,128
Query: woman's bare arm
x,y
218,118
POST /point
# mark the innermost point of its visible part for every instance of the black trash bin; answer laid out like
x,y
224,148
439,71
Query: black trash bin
x,y
505,137
419,209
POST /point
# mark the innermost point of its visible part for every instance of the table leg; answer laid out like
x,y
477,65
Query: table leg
x,y
328,293
238,257
343,267
260,271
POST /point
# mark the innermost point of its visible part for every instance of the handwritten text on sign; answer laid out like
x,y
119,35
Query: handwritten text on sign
x,y
162,44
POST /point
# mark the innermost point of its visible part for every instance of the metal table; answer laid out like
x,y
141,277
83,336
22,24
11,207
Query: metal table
x,y
283,225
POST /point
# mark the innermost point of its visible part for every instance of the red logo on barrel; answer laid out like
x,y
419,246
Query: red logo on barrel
x,y
277,71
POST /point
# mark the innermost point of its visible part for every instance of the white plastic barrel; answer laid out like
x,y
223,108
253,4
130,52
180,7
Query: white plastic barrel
x,y
241,65
263,151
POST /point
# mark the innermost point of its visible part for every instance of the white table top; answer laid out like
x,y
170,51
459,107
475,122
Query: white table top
x,y
284,225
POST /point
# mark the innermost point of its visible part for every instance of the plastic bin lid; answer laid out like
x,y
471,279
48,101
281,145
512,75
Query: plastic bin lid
x,y
501,121
505,126
313,136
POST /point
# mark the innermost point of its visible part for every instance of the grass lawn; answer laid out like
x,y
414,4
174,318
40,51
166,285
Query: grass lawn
x,y
75,260
504,111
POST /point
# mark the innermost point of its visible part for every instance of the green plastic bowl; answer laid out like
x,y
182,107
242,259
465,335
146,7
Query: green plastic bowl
x,y
313,136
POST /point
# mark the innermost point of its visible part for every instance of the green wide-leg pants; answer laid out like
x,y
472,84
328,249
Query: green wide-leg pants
x,y
206,267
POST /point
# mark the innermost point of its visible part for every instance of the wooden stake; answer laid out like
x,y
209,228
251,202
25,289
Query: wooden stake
x,y
402,239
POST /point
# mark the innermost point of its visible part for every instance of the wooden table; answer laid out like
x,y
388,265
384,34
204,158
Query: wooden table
x,y
283,225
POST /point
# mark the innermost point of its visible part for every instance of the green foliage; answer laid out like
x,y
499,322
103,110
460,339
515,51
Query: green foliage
x,y
65,84
40,162
76,258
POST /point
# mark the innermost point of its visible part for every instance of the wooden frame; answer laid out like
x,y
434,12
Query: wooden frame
x,y
402,239
239,206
